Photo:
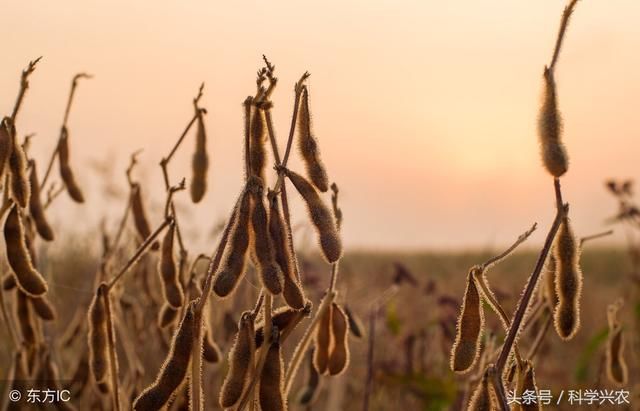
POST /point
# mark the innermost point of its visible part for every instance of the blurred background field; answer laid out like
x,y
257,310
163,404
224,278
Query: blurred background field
x,y
414,325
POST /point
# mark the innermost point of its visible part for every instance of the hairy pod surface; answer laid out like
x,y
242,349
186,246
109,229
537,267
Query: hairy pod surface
x,y
241,359
66,174
339,356
29,280
355,324
291,288
483,397
35,207
470,325
308,146
26,321
527,383
271,392
167,315
321,217
210,350
257,152
269,271
616,366
199,162
308,392
568,282
549,290
43,308
282,318
323,342
140,215
19,181
171,287
98,336
6,144
554,154
235,258
174,369
8,282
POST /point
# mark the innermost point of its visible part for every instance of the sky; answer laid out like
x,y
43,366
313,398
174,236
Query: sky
x,y
425,111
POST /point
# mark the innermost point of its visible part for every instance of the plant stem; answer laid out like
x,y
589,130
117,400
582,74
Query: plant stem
x,y
143,247
24,85
368,388
531,284
74,85
264,350
113,364
564,22
302,346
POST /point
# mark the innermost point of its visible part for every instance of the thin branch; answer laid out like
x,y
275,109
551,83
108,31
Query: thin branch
x,y
303,345
24,85
52,193
113,365
521,239
568,10
296,106
595,236
537,343
143,247
74,85
531,284
264,350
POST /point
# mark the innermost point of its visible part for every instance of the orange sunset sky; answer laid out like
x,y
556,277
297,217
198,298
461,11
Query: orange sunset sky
x,y
425,110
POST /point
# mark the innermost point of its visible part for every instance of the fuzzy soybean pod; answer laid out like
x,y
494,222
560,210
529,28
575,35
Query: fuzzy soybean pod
x,y
140,219
323,339
29,280
308,146
25,318
355,324
554,154
549,290
20,188
210,350
5,144
269,271
174,369
271,393
308,393
43,308
167,315
241,359
339,356
235,258
65,168
257,151
171,287
199,162
98,336
8,282
470,325
482,398
281,318
35,206
321,217
568,282
616,366
527,383
291,290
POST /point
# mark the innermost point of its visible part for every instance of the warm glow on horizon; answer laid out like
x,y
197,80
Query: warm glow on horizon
x,y
425,110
